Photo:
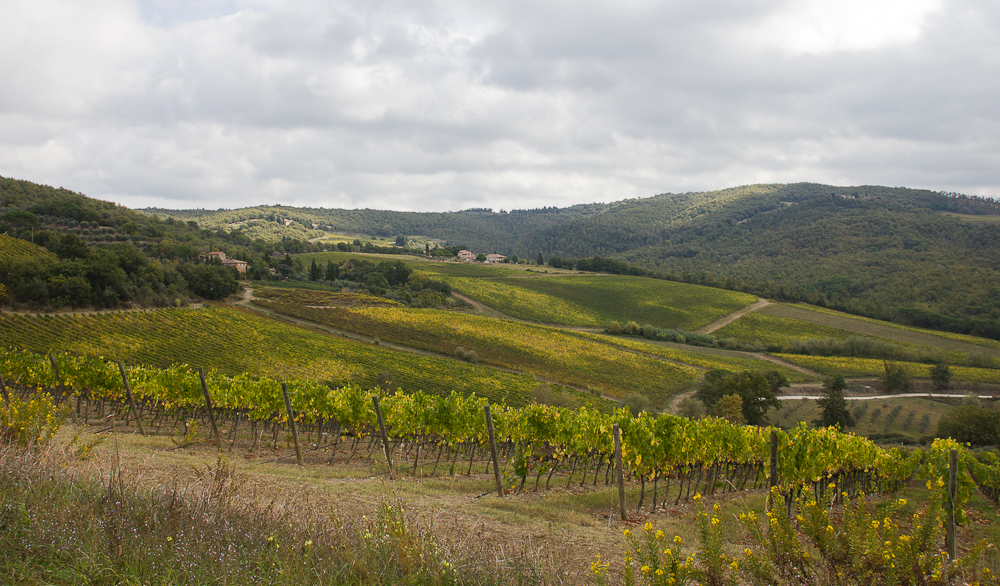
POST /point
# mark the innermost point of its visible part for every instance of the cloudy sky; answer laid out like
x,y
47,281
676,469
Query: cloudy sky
x,y
443,105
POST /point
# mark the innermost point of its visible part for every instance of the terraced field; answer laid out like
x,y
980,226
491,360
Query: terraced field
x,y
547,352
594,300
235,341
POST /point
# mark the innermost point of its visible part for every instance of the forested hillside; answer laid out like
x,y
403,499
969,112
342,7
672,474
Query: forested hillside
x,y
914,256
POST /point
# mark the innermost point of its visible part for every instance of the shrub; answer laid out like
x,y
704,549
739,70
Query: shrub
x,y
636,402
32,421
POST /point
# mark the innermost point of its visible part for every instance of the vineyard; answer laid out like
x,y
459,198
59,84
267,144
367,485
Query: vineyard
x,y
588,300
234,341
873,367
772,330
706,358
695,456
13,247
547,352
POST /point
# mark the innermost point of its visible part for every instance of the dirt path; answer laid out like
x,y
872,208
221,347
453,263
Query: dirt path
x,y
786,364
721,323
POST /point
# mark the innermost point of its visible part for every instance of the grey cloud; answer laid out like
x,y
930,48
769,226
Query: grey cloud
x,y
444,105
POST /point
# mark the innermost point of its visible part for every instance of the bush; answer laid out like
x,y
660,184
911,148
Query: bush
x,y
972,424
636,402
30,422
941,376
895,378
691,408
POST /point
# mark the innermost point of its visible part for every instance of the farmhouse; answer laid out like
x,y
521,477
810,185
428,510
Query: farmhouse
x,y
240,265
495,258
467,256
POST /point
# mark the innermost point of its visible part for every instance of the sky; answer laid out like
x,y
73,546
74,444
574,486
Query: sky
x,y
427,105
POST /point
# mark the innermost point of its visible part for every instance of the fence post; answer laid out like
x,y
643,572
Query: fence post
x,y
62,385
385,436
493,450
772,480
949,538
131,400
291,424
619,473
211,410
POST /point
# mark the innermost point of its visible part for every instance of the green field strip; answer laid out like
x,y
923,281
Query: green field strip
x,y
707,358
879,329
784,331
875,367
236,341
547,352
593,300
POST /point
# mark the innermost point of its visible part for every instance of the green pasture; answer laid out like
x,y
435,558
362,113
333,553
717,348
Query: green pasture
x,y
594,300
880,329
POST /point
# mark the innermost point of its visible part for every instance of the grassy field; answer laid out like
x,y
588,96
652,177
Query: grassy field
x,y
880,329
547,352
591,300
785,331
235,341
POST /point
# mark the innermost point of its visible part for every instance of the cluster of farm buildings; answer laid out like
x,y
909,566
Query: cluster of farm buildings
x,y
469,256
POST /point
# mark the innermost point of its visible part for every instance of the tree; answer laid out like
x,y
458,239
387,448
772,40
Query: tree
x,y
400,240
895,377
833,405
757,390
480,257
539,261
941,376
636,403
212,281
691,408
314,271
979,426
730,408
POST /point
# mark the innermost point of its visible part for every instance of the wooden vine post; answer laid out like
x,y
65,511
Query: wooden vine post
x,y
619,472
3,389
949,538
131,400
291,424
62,386
211,410
385,436
773,479
493,450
